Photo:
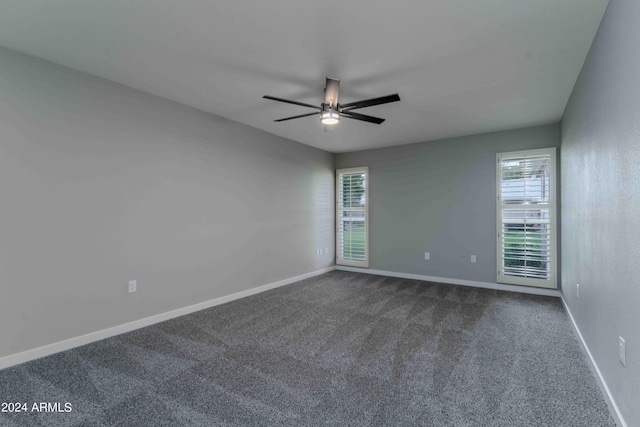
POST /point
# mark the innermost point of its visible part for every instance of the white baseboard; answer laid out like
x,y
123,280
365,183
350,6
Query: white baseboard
x,y
603,384
486,285
46,350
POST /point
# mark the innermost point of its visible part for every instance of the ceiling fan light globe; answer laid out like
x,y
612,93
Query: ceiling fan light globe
x,y
330,117
330,121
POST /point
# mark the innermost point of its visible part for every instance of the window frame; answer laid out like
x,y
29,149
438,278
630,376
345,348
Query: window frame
x,y
365,209
550,283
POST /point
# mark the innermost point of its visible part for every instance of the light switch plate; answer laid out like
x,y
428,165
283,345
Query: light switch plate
x,y
133,285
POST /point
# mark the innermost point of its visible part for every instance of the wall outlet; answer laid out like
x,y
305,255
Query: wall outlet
x,y
578,290
326,251
427,256
473,258
133,285
623,351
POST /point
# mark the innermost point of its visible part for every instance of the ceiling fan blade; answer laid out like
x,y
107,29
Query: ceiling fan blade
x,y
363,117
273,98
370,102
296,117
331,92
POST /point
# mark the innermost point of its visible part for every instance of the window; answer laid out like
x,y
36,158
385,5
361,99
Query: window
x,y
526,218
352,217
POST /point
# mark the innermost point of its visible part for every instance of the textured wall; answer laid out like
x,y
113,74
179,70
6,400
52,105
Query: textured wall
x,y
601,202
100,184
439,197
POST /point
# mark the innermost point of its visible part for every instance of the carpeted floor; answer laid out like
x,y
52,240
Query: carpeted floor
x,y
342,349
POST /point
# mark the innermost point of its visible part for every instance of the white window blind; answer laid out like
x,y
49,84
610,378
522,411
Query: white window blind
x,y
352,217
526,218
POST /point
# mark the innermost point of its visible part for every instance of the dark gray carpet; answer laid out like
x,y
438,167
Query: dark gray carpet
x,y
342,349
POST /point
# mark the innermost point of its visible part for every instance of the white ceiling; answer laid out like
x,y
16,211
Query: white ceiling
x,y
460,66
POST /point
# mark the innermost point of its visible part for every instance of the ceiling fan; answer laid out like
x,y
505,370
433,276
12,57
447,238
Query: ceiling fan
x,y
330,110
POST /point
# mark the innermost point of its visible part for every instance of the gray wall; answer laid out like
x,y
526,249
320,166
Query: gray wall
x,y
100,184
601,202
439,197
